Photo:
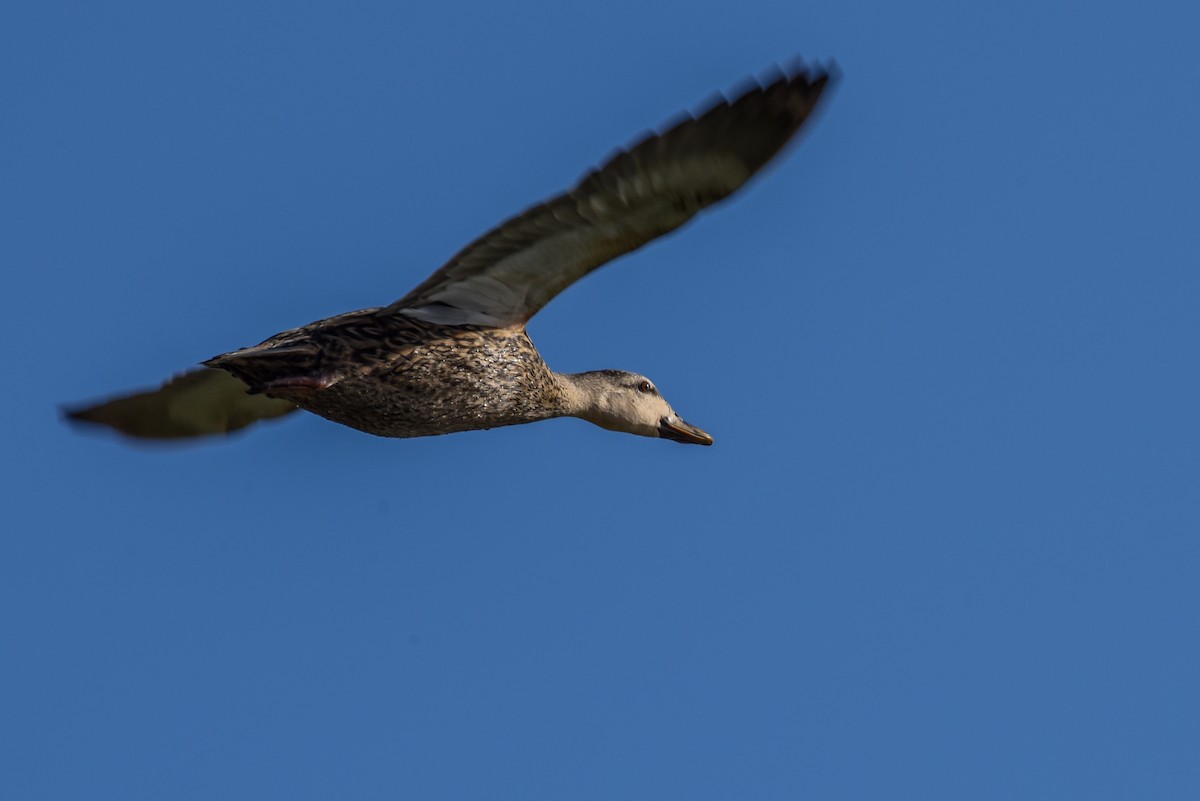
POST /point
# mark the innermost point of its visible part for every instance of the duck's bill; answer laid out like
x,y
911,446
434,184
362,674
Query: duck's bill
x,y
679,431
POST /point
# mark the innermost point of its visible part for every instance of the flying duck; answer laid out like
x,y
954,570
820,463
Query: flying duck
x,y
453,354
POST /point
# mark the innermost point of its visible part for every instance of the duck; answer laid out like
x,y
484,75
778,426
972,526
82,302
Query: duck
x,y
453,354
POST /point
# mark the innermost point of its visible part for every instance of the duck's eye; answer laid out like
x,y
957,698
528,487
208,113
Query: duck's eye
x,y
646,387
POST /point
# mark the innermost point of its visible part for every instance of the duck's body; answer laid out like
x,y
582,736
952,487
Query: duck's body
x,y
453,355
395,376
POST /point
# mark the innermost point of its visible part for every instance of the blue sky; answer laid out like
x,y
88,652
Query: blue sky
x,y
945,545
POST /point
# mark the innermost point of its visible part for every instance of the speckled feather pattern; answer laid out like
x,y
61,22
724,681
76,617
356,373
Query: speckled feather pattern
x,y
391,375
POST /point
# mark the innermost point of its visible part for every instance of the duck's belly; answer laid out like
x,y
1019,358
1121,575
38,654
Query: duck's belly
x,y
471,380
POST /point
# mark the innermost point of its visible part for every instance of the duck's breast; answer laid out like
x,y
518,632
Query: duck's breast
x,y
453,379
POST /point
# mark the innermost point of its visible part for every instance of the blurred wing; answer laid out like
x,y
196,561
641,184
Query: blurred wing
x,y
195,404
507,275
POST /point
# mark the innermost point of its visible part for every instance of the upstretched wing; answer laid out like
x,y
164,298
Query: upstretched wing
x,y
195,404
507,275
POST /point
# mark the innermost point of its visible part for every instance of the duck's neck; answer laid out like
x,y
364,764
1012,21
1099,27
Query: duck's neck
x,y
581,395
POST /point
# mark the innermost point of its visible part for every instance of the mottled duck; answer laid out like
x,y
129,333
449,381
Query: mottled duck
x,y
453,354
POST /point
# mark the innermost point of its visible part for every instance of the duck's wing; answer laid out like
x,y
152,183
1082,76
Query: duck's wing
x,y
508,274
195,404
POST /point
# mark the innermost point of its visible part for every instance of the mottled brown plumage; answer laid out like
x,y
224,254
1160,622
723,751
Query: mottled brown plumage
x,y
392,375
452,354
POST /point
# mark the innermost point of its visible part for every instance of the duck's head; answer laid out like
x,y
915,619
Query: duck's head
x,y
621,401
